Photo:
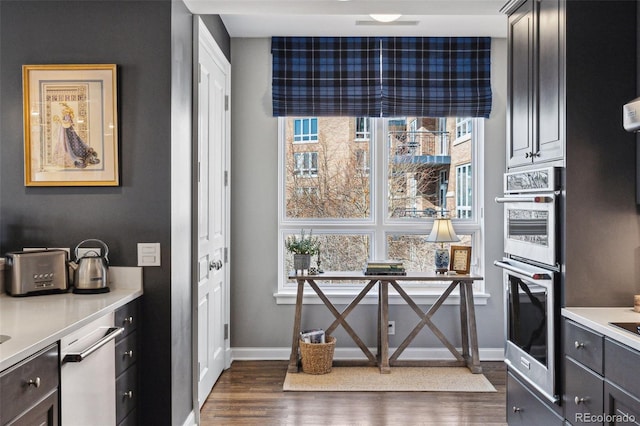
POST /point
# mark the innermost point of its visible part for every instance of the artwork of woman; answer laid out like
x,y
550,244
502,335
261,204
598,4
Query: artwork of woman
x,y
71,150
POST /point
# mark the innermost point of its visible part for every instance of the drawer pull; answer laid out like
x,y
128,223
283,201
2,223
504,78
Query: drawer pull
x,y
578,345
128,353
579,400
128,320
128,394
517,409
34,382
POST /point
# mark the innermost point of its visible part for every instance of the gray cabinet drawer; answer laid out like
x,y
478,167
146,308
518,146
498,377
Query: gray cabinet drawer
x,y
41,370
584,346
44,413
127,317
126,393
621,366
126,353
583,392
524,408
622,408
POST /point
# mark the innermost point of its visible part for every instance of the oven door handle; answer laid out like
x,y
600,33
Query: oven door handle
x,y
529,274
533,199
112,333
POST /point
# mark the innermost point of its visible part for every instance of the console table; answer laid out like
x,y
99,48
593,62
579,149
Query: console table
x,y
469,355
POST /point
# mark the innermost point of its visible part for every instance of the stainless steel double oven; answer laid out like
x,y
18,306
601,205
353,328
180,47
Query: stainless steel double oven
x,y
531,275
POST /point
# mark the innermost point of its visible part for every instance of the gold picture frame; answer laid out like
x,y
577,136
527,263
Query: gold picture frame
x,y
70,125
460,259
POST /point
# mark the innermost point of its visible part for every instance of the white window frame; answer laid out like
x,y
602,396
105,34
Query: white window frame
x,y
363,161
307,169
464,129
312,137
365,133
378,226
463,209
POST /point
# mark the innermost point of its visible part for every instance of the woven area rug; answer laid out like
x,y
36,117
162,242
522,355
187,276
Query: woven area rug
x,y
401,379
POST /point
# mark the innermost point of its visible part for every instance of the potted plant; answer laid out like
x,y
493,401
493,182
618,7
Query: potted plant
x,y
302,247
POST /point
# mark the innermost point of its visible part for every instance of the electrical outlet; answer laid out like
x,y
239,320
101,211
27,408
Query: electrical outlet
x,y
392,327
148,254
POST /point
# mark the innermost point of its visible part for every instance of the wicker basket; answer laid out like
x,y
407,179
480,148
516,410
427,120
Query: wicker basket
x,y
317,357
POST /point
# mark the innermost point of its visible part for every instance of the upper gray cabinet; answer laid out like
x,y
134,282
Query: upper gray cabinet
x,y
535,88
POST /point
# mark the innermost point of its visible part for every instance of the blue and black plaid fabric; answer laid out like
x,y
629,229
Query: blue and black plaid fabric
x,y
326,76
421,76
436,76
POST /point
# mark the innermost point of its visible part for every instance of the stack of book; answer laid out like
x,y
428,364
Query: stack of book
x,y
385,267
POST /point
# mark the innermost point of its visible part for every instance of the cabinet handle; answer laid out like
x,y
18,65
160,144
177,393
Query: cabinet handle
x,y
578,345
128,394
579,400
527,154
128,353
517,409
34,382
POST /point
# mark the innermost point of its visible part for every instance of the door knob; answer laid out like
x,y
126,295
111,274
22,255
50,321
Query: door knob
x,y
217,265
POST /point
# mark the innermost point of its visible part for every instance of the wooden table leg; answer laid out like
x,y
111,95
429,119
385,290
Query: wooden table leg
x,y
464,324
379,331
474,365
383,326
295,340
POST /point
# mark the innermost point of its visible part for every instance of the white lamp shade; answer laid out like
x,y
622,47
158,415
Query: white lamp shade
x,y
442,232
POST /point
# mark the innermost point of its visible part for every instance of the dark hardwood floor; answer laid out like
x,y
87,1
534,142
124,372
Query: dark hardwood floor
x,y
250,393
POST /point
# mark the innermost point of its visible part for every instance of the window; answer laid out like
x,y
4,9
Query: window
x,y
305,130
362,161
376,199
306,164
463,191
362,129
463,127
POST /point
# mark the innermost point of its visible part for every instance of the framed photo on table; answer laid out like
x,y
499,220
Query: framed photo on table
x,y
70,125
460,259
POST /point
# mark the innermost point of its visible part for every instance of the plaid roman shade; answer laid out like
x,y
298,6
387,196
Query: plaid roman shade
x,y
381,76
436,76
326,76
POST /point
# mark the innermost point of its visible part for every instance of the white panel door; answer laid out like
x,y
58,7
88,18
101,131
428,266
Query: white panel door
x,y
212,217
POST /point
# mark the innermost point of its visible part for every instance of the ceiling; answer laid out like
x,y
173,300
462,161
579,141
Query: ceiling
x,y
266,18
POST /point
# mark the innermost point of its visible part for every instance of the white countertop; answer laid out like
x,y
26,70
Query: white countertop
x,y
35,322
598,320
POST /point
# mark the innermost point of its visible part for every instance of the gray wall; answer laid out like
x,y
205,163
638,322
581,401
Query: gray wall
x,y
256,319
151,44
602,244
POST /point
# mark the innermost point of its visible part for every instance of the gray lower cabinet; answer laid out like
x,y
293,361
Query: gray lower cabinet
x,y
30,390
525,408
600,379
126,353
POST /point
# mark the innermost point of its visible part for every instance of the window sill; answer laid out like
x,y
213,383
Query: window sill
x,y
345,297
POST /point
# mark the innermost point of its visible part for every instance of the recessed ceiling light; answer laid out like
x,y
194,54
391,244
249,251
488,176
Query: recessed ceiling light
x,y
385,17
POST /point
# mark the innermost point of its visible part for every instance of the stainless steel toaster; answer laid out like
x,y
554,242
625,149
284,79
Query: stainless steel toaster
x,y
36,272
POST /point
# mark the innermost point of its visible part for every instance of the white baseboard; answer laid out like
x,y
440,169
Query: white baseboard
x,y
275,354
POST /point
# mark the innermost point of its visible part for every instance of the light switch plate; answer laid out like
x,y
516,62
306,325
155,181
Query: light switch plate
x,y
148,254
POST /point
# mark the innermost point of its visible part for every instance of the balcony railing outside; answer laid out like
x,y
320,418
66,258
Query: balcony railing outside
x,y
423,143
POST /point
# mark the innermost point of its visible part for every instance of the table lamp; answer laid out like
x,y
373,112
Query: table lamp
x,y
442,232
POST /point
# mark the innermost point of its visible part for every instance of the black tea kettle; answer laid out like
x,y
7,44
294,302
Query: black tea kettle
x,y
91,271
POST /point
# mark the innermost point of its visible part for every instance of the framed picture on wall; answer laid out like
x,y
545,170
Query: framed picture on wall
x,y
460,259
70,125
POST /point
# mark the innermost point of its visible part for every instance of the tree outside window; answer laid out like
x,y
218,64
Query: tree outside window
x,y
335,188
